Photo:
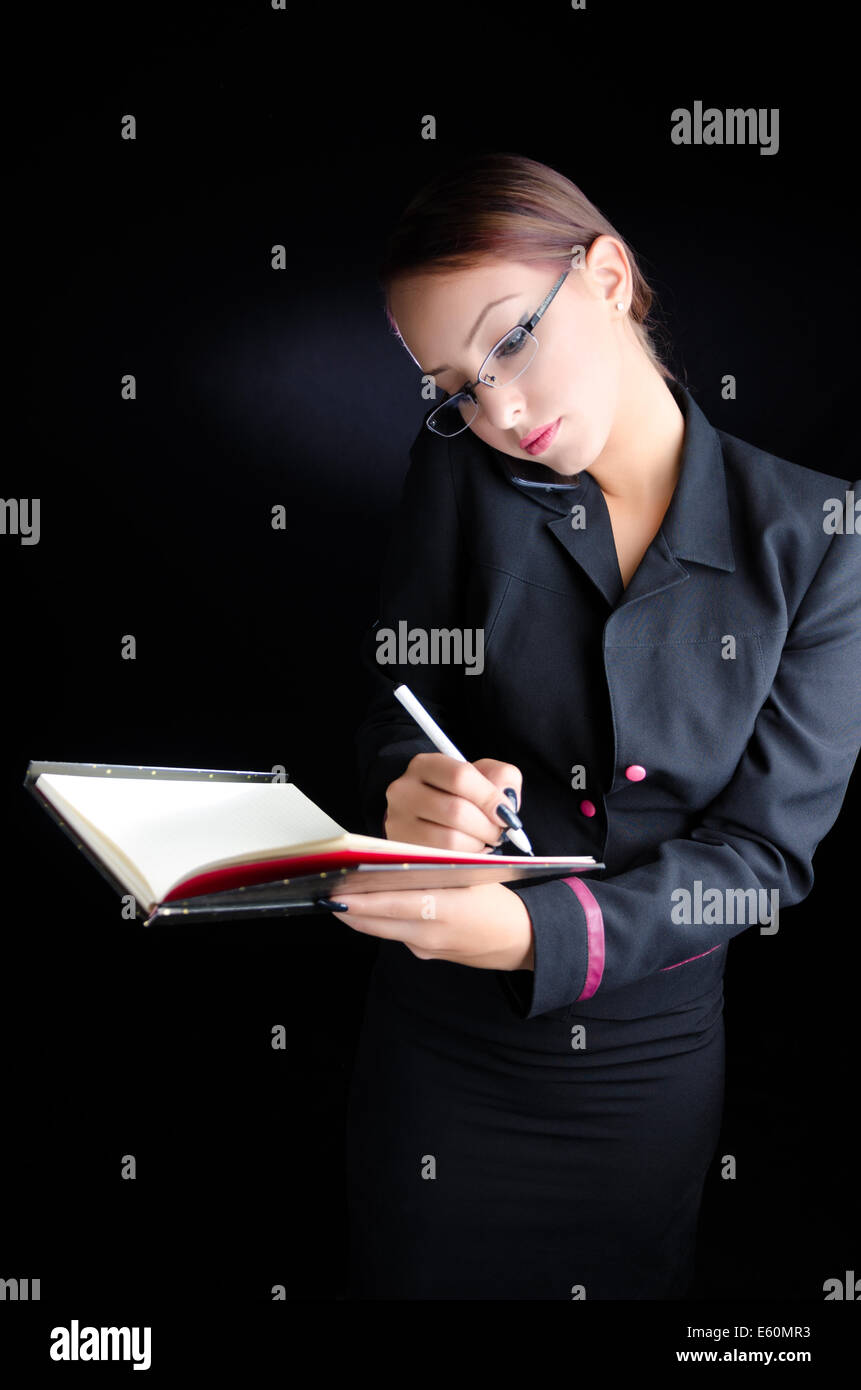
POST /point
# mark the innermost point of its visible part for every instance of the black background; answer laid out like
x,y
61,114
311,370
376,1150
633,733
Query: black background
x,y
257,387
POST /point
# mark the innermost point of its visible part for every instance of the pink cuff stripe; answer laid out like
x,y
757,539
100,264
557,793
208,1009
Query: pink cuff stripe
x,y
690,958
594,936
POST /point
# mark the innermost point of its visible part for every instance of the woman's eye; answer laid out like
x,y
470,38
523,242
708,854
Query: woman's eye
x,y
515,343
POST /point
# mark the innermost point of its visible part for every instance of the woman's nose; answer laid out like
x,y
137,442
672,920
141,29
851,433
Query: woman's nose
x,y
502,407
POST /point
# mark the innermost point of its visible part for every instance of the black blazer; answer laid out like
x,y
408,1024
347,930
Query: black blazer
x,y
695,731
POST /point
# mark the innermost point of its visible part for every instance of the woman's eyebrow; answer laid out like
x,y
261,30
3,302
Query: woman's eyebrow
x,y
435,371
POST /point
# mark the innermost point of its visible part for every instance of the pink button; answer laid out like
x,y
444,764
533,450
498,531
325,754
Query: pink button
x,y
635,773
587,808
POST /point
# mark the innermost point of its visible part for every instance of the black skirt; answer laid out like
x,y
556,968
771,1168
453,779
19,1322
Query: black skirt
x,y
488,1158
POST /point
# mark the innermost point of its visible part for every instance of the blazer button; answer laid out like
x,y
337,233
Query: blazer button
x,y
635,773
587,808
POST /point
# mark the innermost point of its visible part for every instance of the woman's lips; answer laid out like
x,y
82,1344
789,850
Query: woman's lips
x,y
542,441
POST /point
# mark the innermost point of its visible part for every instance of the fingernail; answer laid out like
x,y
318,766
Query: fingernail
x,y
336,907
511,820
512,796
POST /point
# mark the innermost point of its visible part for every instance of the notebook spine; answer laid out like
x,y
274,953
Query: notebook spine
x,y
234,913
128,770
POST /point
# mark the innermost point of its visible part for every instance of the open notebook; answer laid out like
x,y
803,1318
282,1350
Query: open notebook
x,y
214,844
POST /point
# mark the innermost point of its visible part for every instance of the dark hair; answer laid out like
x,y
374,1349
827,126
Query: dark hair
x,y
503,205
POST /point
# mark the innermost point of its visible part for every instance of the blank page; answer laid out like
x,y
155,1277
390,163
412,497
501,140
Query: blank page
x,y
172,829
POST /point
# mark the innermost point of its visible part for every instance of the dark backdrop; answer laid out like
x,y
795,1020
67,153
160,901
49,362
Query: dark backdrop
x,y
258,387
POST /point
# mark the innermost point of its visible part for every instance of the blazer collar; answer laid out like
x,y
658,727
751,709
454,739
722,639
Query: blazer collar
x,y
697,522
696,525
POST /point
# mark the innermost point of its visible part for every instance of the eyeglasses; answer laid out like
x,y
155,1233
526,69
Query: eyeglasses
x,y
503,364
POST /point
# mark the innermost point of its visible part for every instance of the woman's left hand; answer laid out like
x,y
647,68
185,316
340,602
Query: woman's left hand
x,y
486,926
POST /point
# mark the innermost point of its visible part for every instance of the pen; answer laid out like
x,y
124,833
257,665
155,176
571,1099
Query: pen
x,y
440,740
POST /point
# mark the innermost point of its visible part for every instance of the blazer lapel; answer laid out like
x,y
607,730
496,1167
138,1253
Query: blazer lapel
x,y
696,525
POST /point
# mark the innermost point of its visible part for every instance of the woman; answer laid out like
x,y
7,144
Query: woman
x,y
668,621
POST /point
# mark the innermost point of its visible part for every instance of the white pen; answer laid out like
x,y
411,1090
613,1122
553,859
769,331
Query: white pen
x,y
445,745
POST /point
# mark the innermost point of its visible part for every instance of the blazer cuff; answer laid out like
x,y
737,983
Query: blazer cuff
x,y
568,938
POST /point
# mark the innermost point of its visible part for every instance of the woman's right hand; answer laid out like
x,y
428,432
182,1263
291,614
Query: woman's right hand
x,y
446,804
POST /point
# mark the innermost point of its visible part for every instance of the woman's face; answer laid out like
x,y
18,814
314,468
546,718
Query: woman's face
x,y
584,342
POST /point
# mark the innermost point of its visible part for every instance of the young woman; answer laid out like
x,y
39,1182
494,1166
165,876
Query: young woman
x,y
669,623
